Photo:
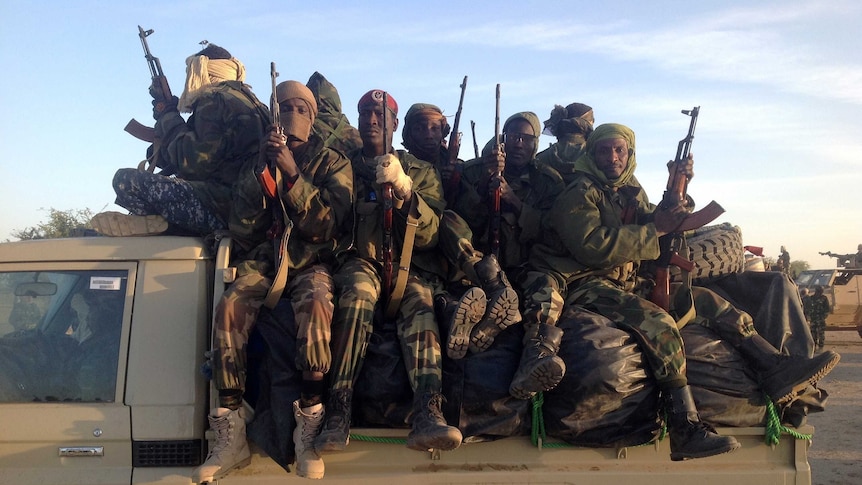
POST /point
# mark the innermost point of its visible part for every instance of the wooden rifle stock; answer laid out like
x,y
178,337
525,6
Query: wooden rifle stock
x,y
455,147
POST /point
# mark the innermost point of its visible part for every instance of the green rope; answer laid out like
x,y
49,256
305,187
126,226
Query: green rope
x,y
774,428
378,439
537,432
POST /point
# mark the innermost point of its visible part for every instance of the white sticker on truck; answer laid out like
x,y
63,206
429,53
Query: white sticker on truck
x,y
105,283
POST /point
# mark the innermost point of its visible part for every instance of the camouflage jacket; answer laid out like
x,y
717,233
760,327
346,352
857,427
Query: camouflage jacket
x,y
584,232
208,150
318,204
427,201
816,308
537,189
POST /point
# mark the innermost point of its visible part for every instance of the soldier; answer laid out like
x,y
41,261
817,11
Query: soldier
x,y
417,203
571,125
784,262
487,300
204,153
594,238
816,308
527,189
312,213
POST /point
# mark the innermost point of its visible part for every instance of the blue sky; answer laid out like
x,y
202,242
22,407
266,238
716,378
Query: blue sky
x,y
779,83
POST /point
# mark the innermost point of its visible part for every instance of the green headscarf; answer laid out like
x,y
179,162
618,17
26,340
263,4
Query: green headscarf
x,y
586,163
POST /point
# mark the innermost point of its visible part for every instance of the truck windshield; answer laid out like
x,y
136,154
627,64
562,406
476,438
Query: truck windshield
x,y
60,334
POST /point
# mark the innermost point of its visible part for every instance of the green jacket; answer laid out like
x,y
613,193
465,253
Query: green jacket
x,y
561,156
319,205
584,232
208,150
427,200
537,189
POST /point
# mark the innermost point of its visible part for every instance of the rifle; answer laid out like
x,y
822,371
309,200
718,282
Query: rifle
x,y
162,89
264,172
675,193
475,145
455,145
387,212
496,214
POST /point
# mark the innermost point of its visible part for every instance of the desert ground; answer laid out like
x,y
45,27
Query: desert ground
x,y
835,455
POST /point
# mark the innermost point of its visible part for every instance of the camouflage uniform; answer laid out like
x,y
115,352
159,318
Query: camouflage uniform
x,y
358,279
319,205
205,153
594,238
816,310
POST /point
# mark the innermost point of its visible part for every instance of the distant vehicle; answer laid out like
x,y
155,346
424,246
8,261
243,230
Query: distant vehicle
x,y
843,287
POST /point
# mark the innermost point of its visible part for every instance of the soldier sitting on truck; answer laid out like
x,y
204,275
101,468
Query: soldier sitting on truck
x,y
204,153
310,215
596,235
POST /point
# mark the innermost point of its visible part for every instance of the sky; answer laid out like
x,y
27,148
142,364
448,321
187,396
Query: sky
x,y
779,85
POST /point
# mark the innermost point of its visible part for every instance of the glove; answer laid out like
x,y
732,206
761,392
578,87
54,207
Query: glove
x,y
162,106
389,171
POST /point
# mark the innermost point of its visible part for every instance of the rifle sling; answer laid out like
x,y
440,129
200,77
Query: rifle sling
x,y
281,256
403,263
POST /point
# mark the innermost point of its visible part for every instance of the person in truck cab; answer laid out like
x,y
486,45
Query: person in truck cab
x,y
204,154
285,244
595,237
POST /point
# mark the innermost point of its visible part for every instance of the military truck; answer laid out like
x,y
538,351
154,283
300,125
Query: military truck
x,y
102,384
843,288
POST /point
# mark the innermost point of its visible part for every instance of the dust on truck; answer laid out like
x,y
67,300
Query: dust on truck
x,y
102,341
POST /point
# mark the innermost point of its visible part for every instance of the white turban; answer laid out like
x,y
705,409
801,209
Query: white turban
x,y
201,72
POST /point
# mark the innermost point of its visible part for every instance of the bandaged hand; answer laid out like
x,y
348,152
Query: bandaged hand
x,y
389,171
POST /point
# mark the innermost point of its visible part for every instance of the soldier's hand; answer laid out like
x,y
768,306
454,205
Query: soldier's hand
x,y
507,195
162,106
685,166
495,160
278,152
389,171
667,220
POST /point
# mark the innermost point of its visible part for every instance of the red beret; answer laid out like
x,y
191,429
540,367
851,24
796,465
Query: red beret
x,y
375,97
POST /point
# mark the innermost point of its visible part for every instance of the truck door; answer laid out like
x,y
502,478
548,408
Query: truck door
x,y
63,343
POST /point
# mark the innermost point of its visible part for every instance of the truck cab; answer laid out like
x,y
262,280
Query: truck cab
x,y
843,288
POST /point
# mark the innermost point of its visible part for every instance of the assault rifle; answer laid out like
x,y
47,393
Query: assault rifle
x,y
676,193
387,212
161,90
455,147
264,172
496,215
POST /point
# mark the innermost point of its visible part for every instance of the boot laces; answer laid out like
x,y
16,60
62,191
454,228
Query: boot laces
x,y
222,427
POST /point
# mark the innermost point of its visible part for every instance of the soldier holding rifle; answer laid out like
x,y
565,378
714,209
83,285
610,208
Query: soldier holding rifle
x,y
595,237
204,153
368,294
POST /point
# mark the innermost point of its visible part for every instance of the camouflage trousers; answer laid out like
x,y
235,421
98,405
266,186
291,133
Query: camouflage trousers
x,y
143,193
543,298
358,286
310,292
818,331
656,330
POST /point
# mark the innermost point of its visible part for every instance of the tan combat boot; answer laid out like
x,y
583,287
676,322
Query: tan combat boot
x,y
230,449
308,422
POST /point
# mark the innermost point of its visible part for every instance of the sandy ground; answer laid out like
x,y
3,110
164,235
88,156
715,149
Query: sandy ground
x,y
835,455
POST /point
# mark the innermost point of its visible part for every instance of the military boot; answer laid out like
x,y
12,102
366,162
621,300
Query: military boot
x,y
230,449
540,368
118,224
335,433
308,421
501,311
689,436
782,376
430,430
459,317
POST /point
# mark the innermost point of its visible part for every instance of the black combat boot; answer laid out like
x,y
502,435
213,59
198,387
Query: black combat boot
x,y
335,432
782,376
540,368
501,310
430,430
459,317
689,436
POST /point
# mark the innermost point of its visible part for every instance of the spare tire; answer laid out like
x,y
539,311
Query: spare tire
x,y
715,251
